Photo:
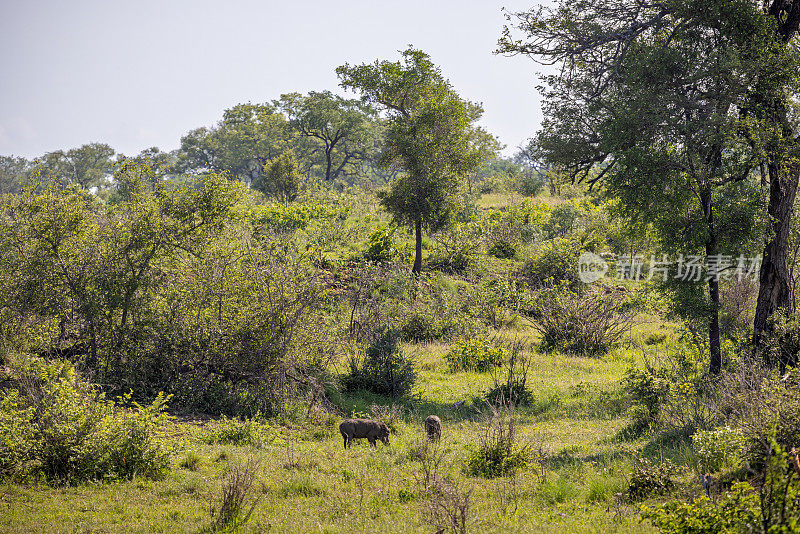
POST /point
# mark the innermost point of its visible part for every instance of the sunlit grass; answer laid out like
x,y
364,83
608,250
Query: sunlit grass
x,y
307,482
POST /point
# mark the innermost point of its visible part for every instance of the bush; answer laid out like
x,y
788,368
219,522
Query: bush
x,y
530,183
774,507
763,404
730,515
587,322
650,479
555,262
57,426
241,432
648,390
384,370
381,246
563,221
512,391
499,453
291,217
422,326
718,449
504,249
474,355
455,248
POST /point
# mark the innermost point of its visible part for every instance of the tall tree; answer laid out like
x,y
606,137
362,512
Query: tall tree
x,y
772,102
13,174
342,131
655,98
431,135
86,165
247,137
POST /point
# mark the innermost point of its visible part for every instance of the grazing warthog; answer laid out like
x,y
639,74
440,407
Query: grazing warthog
x,y
363,428
433,426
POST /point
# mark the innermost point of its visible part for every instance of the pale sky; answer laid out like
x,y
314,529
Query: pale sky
x,y
141,73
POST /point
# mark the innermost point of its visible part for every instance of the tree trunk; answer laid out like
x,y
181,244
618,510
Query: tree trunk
x,y
775,282
715,365
774,290
418,257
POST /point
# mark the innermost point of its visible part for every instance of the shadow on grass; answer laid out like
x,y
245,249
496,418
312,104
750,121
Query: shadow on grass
x,y
415,408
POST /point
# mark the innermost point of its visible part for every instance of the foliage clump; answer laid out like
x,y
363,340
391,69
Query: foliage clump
x,y
648,390
290,217
581,322
56,426
718,449
555,262
649,478
242,432
381,246
500,453
384,370
475,354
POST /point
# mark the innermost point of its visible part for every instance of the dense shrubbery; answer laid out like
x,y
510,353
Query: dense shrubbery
x,y
166,289
474,355
718,449
289,217
242,432
650,478
555,262
56,426
648,389
500,453
586,322
771,508
383,370
381,246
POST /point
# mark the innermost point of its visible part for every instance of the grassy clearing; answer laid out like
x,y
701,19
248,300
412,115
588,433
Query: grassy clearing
x,y
306,482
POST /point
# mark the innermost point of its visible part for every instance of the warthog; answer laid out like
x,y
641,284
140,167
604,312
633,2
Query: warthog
x,y
363,428
433,426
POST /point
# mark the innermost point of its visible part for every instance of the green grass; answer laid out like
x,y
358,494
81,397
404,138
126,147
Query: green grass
x,y
306,481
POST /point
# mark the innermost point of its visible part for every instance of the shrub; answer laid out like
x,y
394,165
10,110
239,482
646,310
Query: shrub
x,y
587,322
291,217
763,404
455,248
474,355
649,479
381,246
241,432
530,183
555,262
55,425
648,390
384,369
773,507
563,221
512,391
718,449
236,502
504,248
731,515
422,326
499,453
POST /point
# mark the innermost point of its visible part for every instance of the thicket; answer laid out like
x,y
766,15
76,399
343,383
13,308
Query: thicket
x,y
170,287
57,427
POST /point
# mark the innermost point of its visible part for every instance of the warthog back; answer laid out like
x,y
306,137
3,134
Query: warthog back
x,y
363,428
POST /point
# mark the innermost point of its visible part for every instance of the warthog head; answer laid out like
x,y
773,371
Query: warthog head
x,y
384,434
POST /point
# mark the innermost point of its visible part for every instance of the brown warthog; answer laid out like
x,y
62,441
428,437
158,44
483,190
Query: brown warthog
x,y
363,428
433,426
